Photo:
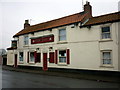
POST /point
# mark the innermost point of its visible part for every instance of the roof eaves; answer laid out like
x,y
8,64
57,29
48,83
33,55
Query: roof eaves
x,y
100,23
43,29
36,28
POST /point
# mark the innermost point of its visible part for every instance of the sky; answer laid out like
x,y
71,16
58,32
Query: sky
x,y
13,13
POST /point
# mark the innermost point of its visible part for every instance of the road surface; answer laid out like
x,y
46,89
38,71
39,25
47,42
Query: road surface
x,y
11,79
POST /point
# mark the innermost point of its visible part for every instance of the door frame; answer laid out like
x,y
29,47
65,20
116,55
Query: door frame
x,y
45,62
15,60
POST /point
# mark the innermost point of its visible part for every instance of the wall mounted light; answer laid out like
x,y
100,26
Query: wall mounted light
x,y
50,48
37,49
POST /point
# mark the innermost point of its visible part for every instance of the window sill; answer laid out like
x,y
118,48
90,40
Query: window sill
x,y
62,42
51,63
107,66
26,46
62,64
38,62
31,62
105,40
21,62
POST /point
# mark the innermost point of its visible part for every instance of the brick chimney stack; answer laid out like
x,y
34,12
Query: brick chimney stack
x,y
26,24
88,9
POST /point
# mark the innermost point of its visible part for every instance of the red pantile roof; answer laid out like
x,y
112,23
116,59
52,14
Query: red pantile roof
x,y
112,17
54,23
79,17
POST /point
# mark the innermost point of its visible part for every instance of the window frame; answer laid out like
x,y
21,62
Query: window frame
x,y
101,36
26,42
106,65
21,61
62,35
64,63
30,57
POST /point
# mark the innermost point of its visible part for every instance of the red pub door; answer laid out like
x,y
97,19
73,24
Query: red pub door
x,y
45,62
15,62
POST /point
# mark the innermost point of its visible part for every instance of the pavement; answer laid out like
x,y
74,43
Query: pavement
x,y
99,78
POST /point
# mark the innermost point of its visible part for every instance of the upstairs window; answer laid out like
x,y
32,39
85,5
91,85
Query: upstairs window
x,y
106,32
26,40
20,56
62,35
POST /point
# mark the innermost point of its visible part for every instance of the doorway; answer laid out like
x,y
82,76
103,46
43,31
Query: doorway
x,y
45,62
15,62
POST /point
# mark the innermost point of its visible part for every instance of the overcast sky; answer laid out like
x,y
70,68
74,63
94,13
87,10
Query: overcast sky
x,y
14,12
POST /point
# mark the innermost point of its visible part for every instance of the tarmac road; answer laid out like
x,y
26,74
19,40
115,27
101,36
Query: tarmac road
x,y
11,79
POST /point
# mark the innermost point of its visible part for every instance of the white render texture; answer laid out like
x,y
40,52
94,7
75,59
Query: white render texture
x,y
85,47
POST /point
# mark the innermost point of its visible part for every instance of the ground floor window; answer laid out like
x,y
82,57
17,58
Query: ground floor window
x,y
62,56
106,58
32,58
20,56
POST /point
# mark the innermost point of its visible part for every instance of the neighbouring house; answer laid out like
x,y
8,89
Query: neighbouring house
x,y
0,60
78,41
3,57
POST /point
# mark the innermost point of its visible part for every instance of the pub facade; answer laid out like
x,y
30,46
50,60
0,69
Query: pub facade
x,y
78,41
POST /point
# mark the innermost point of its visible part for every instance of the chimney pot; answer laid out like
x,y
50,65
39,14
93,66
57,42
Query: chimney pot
x,y
88,9
88,3
26,24
27,21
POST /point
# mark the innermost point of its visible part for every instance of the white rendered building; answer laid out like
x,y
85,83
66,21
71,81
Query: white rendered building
x,y
77,41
